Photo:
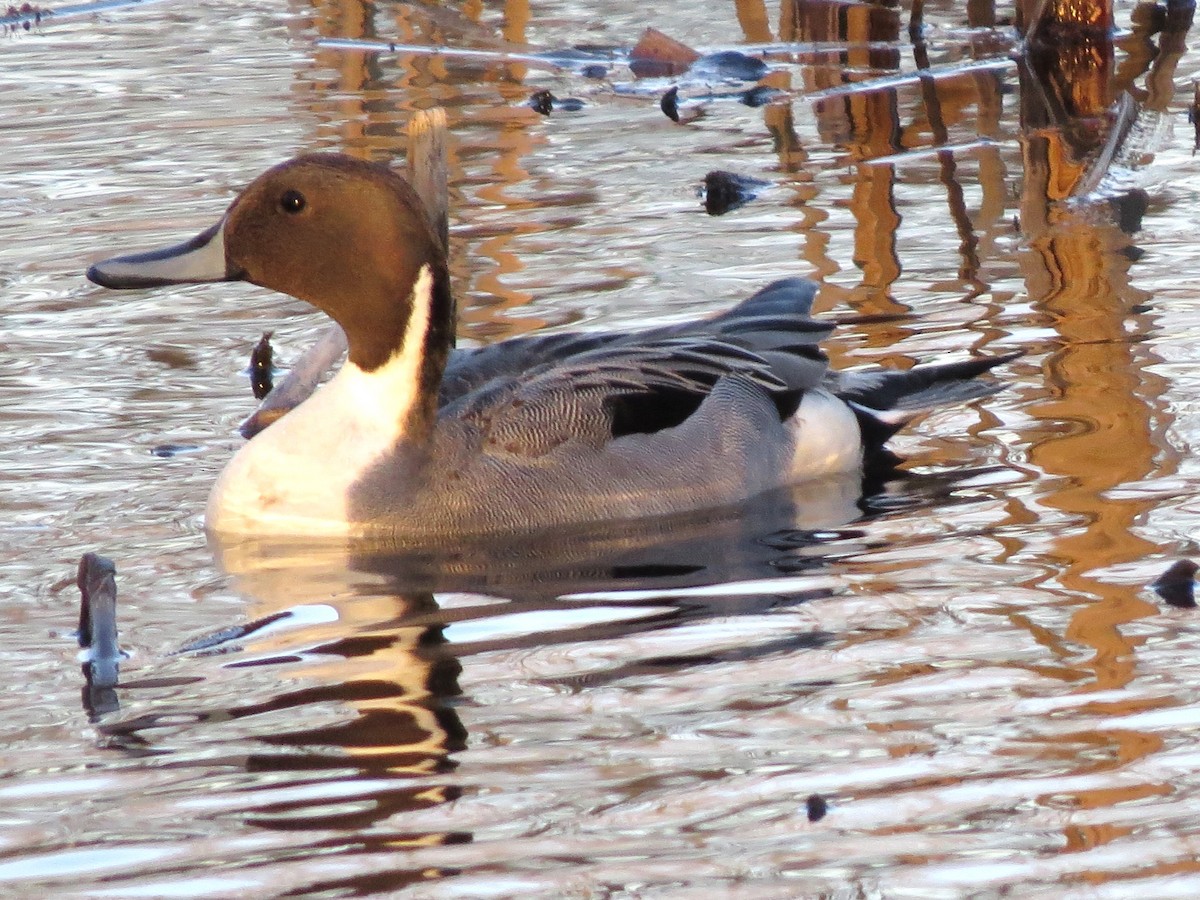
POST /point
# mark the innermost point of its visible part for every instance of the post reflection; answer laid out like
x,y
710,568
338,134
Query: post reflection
x,y
1079,252
867,125
882,129
1078,269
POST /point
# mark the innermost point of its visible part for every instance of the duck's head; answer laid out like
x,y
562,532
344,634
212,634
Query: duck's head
x,y
350,237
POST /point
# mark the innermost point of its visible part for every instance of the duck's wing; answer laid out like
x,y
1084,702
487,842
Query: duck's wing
x,y
469,369
611,391
775,319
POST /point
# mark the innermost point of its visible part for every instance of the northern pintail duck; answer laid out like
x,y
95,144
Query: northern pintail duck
x,y
413,437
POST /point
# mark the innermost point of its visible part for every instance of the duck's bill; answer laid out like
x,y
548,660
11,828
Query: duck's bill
x,y
200,259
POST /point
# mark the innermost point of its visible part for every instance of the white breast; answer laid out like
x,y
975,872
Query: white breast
x,y
294,478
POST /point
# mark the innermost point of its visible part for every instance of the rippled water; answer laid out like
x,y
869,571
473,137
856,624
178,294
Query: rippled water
x,y
965,666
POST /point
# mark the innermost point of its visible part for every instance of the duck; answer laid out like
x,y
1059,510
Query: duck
x,y
414,438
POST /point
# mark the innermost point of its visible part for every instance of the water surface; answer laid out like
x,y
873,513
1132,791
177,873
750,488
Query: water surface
x,y
966,665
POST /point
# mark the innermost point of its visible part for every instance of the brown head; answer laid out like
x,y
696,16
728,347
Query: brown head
x,y
349,237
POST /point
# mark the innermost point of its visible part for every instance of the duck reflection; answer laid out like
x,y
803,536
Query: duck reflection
x,y
337,712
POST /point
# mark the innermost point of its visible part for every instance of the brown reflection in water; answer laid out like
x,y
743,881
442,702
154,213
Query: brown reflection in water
x,y
1077,269
1104,427
1157,61
1066,18
752,16
872,125
780,122
932,98
516,17
866,123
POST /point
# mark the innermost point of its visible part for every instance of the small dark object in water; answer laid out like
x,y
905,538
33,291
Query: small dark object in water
x,y
166,451
1130,208
816,806
725,191
730,65
262,372
595,70
544,101
97,580
760,96
1177,585
669,104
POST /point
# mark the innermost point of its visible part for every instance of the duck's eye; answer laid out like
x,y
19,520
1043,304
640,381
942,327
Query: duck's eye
x,y
292,202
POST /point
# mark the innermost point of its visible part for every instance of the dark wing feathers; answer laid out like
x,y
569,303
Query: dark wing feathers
x,y
776,318
468,370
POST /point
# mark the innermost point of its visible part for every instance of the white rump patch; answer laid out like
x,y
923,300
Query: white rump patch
x,y
828,439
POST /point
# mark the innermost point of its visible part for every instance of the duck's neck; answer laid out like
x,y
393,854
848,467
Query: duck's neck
x,y
399,379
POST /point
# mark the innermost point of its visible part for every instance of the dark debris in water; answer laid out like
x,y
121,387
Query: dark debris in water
x,y
167,451
728,65
669,104
1177,585
816,806
755,97
761,95
545,102
262,371
726,191
24,17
